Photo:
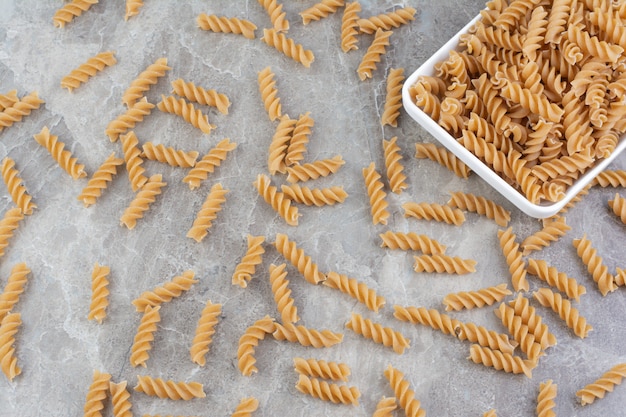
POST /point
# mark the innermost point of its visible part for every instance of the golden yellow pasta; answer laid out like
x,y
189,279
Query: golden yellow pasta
x,y
69,11
88,69
556,279
441,263
522,308
501,361
269,93
373,54
297,258
328,391
9,326
378,204
411,241
246,407
618,205
320,10
551,232
247,266
378,333
205,329
142,201
322,369
187,111
564,309
305,336
528,343
277,200
97,394
225,24
99,293
479,298
133,160
142,344
557,20
16,189
63,157
592,45
8,224
173,390
13,288
142,83
620,277
394,167
355,289
132,8
8,99
545,399
129,119
404,394
480,205
277,16
431,318
248,342
207,164
535,37
288,47
99,180
166,292
120,398
385,407
484,337
442,156
282,294
201,95
517,266
279,144
314,170
600,387
19,110
314,196
393,99
299,139
595,265
434,211
387,21
490,413
349,26
208,212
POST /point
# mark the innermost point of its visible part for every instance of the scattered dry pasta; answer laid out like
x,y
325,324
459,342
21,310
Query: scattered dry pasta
x,y
129,119
169,155
120,398
564,309
434,211
501,361
442,156
355,289
545,399
385,407
394,167
207,164
479,298
225,24
246,407
304,263
431,318
322,369
99,293
378,333
411,241
288,47
269,93
8,99
393,99
349,26
606,383
166,292
484,337
529,343
187,111
599,272
404,394
247,266
87,70
556,279
480,205
205,329
142,201
62,157
97,394
277,200
173,390
320,10
378,204
314,170
16,189
328,391
142,344
8,224
373,54
277,16
279,145
133,160
201,95
132,8
208,212
522,308
441,263
140,85
618,205
387,21
611,178
305,336
314,196
282,294
248,342
99,180
513,256
551,232
9,326
299,139
19,110
69,11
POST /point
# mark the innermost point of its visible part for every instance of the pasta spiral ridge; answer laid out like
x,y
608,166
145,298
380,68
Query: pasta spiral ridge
x,y
288,47
305,336
404,394
479,298
172,390
120,398
8,100
269,93
513,256
129,119
349,25
187,111
355,289
166,292
16,189
434,211
145,336
431,318
99,293
602,385
387,21
411,241
132,8
393,98
297,257
440,263
277,16
618,205
225,24
207,164
480,205
551,232
144,80
19,110
499,37
501,361
246,407
62,157
97,394
249,340
142,201
385,407
282,294
443,157
328,391
378,204
535,37
277,200
595,265
169,155
314,196
545,399
378,333
564,309
9,326
71,10
522,308
532,102
556,279
133,160
591,45
521,332
208,212
612,178
394,167
512,14
557,20
247,266
99,180
320,10
200,95
205,329
484,337
314,170
299,139
373,54
322,369
8,225
279,145
87,70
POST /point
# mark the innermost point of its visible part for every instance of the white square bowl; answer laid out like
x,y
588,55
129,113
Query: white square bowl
x,y
540,211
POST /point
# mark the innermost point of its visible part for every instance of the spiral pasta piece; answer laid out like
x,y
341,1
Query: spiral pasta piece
x,y
142,201
88,69
142,83
13,288
595,266
480,205
277,200
69,11
513,256
297,258
8,225
208,212
277,16
532,102
247,266
169,155
484,337
305,336
551,232
249,341
522,308
314,170
129,119
99,180
385,407
600,387
133,160
315,196
556,279
564,309
288,47
8,99
355,289
393,165
132,8
225,24
328,391
279,145
246,407
19,110
387,21
173,390
349,25
378,204
501,361
299,139
205,329
322,369
592,45
521,332
535,37
142,344
373,54
499,37
320,10
378,333
618,205
201,95
269,93
611,178
434,211
431,318
208,163
97,394
16,189
620,277
120,398
393,98
99,293
187,111
545,399
62,157
443,157
472,299
411,241
404,394
166,292
441,263
282,294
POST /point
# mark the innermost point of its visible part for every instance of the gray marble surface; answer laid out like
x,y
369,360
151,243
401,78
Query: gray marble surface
x,y
58,348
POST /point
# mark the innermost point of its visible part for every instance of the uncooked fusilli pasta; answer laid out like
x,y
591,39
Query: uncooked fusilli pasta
x,y
169,155
442,156
246,407
314,196
387,21
142,344
277,16
618,205
247,266
288,47
480,205
142,201
349,26
88,69
606,383
207,164
132,8
394,167
173,390
269,93
501,361
355,289
434,211
133,160
16,189
320,10
200,95
378,333
249,340
208,212
99,293
9,326
225,24
70,10
277,200
205,329
328,391
305,336
393,99
513,256
322,369
378,204
8,99
431,318
140,85
404,394
556,279
166,292
99,180
63,157
299,139
545,399
595,266
441,263
19,110
8,224
411,241
385,407
187,111
129,119
282,294
373,54
564,309
484,337
304,263
314,170
479,298
551,232
120,398
97,394
279,144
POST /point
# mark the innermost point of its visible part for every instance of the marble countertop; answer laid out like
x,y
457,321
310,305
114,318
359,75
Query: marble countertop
x,y
58,349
